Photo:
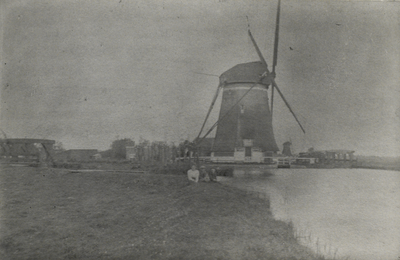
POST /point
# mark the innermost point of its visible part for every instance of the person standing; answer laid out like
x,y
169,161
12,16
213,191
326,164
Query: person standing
x,y
193,174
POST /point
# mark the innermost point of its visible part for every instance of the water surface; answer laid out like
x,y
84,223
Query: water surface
x,y
351,213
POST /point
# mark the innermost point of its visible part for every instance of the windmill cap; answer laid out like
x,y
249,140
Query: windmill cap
x,y
245,73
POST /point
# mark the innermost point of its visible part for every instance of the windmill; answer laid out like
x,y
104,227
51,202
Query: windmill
x,y
244,128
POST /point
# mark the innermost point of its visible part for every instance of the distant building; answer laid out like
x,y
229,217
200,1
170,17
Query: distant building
x,y
130,153
340,155
81,155
332,158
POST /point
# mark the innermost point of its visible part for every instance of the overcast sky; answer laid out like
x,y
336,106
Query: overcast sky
x,y
87,72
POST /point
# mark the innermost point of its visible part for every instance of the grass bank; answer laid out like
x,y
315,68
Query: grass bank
x,y
54,214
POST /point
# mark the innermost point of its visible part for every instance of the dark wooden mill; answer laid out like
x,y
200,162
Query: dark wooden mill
x,y
244,128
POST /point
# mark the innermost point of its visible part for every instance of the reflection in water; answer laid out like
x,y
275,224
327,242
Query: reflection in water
x,y
336,212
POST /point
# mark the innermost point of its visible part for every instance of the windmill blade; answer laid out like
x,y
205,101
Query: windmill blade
x,y
209,110
274,85
266,65
4,134
272,100
287,104
275,60
258,50
206,74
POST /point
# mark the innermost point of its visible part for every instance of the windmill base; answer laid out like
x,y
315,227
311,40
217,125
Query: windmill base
x,y
242,155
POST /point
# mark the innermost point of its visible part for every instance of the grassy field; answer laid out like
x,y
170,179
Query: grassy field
x,y
55,214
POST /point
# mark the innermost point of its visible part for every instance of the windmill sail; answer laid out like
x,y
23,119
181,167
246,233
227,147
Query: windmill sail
x,y
273,83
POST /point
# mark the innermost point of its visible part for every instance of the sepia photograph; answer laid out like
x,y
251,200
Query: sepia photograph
x,y
200,129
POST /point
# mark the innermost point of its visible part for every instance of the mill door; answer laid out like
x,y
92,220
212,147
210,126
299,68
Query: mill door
x,y
247,154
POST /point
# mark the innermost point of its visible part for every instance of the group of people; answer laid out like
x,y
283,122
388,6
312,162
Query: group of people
x,y
202,175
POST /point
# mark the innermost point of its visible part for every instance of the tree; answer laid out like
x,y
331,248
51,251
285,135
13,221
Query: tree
x,y
118,147
106,153
186,148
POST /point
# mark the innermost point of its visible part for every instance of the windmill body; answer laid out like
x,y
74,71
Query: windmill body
x,y
245,129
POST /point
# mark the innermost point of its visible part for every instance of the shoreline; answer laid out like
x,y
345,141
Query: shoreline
x,y
53,213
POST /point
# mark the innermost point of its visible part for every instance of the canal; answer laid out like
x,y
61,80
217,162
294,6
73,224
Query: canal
x,y
339,213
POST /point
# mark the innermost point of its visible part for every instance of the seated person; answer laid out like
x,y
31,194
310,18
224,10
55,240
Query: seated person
x,y
204,174
193,174
213,175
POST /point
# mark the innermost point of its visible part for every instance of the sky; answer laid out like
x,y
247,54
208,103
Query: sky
x,y
88,72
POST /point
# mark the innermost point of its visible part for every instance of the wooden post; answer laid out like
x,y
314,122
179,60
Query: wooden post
x,y
48,148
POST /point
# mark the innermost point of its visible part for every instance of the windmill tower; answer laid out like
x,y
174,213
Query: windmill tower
x,y
244,128
245,123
